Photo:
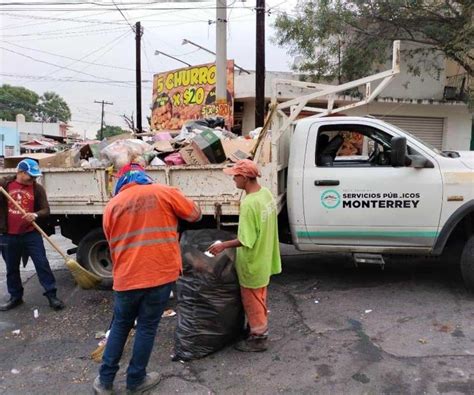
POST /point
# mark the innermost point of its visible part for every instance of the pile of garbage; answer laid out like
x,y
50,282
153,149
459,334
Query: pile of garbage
x,y
199,142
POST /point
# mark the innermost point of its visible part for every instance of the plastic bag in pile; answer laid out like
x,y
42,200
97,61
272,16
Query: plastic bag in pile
x,y
210,312
122,152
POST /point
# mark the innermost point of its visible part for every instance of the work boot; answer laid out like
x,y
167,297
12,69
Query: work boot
x,y
101,389
55,303
151,379
252,344
11,304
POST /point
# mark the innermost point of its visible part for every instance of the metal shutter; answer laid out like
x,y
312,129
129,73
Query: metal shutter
x,y
426,129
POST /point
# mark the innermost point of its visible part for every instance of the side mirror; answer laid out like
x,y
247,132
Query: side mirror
x,y
398,155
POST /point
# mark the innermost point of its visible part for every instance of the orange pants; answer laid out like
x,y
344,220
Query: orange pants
x,y
255,307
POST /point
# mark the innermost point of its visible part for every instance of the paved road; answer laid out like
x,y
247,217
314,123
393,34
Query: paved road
x,y
55,260
335,329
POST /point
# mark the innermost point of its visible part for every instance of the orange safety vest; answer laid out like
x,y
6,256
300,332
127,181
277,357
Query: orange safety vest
x,y
140,224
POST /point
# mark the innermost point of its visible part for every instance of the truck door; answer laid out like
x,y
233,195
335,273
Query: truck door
x,y
352,196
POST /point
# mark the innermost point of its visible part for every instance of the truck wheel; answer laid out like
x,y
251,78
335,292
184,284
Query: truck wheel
x,y
94,255
467,263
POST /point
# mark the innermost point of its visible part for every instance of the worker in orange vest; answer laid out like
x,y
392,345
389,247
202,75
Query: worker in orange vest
x,y
140,224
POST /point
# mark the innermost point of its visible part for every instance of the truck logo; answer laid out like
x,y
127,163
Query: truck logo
x,y
330,199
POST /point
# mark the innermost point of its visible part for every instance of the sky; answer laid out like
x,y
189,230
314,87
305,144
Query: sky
x,y
84,50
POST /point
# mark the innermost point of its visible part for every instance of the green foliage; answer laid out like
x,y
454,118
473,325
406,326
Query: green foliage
x,y
53,108
343,40
17,100
50,107
110,131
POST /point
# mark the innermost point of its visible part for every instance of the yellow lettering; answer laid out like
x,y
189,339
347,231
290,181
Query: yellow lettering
x,y
186,77
178,79
169,81
194,76
211,78
159,84
203,75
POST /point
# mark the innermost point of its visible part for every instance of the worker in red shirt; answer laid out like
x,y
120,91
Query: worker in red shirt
x,y
140,224
18,237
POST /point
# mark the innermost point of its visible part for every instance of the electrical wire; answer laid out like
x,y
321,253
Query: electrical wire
x,y
55,19
69,58
124,17
52,64
113,43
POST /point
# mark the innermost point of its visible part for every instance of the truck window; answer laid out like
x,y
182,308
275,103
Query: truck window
x,y
352,146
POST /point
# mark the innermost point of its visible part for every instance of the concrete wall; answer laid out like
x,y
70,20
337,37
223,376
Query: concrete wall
x,y
36,128
11,138
428,85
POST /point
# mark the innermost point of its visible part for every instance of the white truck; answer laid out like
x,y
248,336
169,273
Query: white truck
x,y
390,194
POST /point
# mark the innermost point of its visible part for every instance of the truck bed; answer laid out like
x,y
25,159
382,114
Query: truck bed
x,y
77,191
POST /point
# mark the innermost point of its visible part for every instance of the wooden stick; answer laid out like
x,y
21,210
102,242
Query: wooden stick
x,y
7,195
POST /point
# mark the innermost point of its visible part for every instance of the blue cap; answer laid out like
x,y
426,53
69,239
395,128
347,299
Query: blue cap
x,y
29,166
134,176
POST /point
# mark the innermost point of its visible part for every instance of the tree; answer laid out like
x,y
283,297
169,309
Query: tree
x,y
53,108
16,100
339,39
50,107
110,131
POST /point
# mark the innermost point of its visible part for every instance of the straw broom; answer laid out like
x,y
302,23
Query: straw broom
x,y
83,277
98,353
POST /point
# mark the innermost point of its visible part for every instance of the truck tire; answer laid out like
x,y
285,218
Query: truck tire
x,y
467,263
94,255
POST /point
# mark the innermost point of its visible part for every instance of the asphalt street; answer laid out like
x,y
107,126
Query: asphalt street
x,y
335,329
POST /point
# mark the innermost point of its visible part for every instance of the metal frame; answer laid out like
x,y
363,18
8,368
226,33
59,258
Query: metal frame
x,y
300,103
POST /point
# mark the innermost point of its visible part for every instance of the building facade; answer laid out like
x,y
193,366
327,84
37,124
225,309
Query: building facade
x,y
430,105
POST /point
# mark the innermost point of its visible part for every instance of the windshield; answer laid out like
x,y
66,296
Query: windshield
x,y
433,148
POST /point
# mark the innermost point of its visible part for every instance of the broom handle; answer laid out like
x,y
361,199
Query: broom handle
x,y
7,195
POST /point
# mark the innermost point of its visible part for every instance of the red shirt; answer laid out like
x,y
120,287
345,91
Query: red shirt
x,y
140,224
24,196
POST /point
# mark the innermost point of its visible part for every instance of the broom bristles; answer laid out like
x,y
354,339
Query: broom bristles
x,y
84,278
98,353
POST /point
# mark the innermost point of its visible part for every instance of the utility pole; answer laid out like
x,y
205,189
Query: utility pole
x,y
102,117
260,65
221,51
138,35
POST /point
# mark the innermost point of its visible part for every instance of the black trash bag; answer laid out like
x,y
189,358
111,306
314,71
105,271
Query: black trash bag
x,y
215,122
210,312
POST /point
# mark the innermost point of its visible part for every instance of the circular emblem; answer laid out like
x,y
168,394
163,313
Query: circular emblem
x,y
330,199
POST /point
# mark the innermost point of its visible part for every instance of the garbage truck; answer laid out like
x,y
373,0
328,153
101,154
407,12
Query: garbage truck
x,y
342,184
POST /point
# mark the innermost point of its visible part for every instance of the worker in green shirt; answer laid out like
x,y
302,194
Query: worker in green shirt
x,y
258,251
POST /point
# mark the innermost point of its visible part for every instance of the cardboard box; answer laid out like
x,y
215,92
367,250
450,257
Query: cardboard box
x,y
236,149
193,155
211,145
163,146
69,158
43,160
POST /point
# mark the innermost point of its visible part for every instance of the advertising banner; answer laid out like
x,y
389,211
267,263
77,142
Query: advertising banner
x,y
190,93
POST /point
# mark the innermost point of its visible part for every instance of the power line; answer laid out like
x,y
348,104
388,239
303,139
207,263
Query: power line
x,y
67,57
111,8
52,64
40,78
56,19
124,17
60,32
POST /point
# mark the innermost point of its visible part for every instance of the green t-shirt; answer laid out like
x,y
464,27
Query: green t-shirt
x,y
259,256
